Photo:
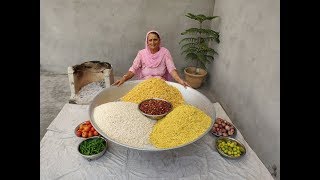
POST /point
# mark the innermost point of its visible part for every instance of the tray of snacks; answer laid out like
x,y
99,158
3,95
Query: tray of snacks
x,y
187,115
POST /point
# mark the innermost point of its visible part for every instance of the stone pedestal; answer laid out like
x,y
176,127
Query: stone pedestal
x,y
88,72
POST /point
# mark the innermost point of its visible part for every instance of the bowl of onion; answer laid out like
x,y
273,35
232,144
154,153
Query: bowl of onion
x,y
223,128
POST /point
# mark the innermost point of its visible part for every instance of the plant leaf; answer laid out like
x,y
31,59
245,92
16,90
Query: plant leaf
x,y
212,33
193,31
205,49
192,16
190,39
188,45
209,58
207,39
189,50
200,17
202,59
208,32
191,56
211,51
210,17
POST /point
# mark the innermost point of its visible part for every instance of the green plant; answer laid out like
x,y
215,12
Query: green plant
x,y
196,45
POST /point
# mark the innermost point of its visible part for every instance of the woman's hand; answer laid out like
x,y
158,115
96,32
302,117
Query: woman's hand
x,y
176,77
119,82
184,83
124,78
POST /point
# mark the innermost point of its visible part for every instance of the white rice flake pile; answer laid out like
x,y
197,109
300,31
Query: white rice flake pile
x,y
123,122
88,92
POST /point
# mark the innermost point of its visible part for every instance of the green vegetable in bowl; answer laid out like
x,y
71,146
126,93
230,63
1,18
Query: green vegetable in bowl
x,y
92,146
230,148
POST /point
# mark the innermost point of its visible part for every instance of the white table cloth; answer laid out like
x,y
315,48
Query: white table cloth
x,y
59,158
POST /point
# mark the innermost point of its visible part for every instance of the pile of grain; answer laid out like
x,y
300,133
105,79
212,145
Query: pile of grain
x,y
182,125
154,88
123,123
88,92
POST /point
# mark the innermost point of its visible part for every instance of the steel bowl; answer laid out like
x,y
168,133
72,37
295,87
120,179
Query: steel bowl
x,y
94,156
77,128
232,140
114,93
155,117
233,135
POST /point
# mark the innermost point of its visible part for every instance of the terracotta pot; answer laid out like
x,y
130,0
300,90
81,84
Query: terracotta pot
x,y
194,79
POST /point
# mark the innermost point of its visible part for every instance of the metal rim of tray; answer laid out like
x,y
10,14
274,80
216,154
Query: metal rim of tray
x,y
91,108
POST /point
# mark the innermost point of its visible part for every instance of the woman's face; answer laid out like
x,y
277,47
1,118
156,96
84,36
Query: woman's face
x,y
153,42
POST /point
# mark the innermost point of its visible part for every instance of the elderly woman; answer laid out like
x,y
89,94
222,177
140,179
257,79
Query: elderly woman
x,y
153,61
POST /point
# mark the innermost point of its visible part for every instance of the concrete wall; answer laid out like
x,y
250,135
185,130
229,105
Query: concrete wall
x,y
74,31
245,76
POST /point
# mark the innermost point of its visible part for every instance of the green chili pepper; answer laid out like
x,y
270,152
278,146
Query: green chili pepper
x,y
92,146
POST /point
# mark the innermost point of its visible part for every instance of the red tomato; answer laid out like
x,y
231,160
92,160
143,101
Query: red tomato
x,y
95,133
79,133
87,122
89,125
86,128
85,134
92,129
90,134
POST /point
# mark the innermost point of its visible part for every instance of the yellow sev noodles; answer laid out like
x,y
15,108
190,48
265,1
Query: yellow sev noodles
x,y
182,125
154,88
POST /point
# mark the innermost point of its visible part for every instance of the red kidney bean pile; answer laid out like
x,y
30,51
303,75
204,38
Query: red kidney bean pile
x,y
155,107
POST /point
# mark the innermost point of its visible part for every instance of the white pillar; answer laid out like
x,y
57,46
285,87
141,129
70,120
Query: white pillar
x,y
71,84
108,77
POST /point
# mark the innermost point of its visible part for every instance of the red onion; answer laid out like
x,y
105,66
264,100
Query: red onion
x,y
218,120
227,127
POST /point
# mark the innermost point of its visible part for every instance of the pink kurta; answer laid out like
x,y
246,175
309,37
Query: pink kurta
x,y
147,65
163,70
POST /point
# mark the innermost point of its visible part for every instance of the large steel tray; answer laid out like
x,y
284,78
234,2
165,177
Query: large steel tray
x,y
190,95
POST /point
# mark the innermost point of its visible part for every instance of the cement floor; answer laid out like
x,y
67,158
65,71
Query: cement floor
x,y
55,93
